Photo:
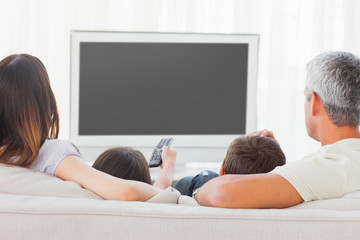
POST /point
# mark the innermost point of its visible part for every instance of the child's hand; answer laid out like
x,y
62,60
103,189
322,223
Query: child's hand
x,y
168,156
166,176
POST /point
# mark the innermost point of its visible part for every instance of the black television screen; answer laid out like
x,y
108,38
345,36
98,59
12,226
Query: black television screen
x,y
129,88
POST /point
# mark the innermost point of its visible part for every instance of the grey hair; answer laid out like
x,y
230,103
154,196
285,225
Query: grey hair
x,y
335,78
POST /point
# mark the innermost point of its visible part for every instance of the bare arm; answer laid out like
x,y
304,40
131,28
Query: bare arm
x,y
166,176
248,191
108,187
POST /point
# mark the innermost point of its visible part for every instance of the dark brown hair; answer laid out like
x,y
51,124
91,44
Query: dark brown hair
x,y
28,111
125,163
253,154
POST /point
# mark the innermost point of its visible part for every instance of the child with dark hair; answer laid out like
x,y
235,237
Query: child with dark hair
x,y
245,155
130,164
125,163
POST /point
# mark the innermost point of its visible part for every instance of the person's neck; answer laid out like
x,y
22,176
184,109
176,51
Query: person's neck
x,y
331,134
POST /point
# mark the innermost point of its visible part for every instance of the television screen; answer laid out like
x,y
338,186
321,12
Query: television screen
x,y
147,88
132,89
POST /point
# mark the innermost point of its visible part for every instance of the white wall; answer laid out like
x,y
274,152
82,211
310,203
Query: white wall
x,y
292,32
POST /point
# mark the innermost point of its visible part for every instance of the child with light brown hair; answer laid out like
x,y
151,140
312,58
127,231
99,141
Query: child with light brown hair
x,y
245,155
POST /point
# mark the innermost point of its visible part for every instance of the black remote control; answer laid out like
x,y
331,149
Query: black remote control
x,y
155,159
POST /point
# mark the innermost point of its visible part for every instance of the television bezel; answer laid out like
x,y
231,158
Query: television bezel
x,y
191,141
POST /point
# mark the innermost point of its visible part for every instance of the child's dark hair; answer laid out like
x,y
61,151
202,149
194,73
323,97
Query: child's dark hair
x,y
125,163
253,154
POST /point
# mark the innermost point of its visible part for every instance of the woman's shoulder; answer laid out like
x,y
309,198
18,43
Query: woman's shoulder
x,y
51,153
58,144
58,148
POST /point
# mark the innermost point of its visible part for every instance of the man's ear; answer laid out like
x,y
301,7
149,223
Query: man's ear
x,y
313,103
222,172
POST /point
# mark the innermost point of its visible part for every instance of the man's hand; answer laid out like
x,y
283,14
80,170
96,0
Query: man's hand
x,y
264,133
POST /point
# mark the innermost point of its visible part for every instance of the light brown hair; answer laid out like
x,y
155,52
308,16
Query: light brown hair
x,y
253,154
125,163
28,111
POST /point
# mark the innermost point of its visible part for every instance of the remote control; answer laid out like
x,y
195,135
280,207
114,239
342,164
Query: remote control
x,y
155,159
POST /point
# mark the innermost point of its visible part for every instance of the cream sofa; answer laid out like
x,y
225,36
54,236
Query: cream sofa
x,y
34,205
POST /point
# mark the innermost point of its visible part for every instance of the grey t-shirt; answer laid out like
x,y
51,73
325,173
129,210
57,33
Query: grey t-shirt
x,y
51,153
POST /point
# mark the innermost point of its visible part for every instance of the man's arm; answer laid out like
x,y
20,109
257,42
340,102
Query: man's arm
x,y
248,191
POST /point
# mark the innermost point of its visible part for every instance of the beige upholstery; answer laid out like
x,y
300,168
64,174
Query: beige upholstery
x,y
38,206
24,181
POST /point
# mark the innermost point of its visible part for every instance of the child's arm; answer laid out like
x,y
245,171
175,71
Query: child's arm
x,y
71,168
166,176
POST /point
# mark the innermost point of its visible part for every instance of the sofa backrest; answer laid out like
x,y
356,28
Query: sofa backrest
x,y
24,181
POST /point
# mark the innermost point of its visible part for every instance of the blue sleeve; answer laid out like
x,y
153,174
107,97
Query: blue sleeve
x,y
51,153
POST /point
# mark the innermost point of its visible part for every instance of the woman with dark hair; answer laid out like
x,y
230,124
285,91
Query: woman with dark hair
x,y
29,127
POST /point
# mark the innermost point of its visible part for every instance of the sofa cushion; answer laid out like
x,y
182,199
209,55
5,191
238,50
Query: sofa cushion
x,y
350,201
169,195
44,217
24,181
173,196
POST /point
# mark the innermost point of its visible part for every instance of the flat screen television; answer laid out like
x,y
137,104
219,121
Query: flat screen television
x,y
133,88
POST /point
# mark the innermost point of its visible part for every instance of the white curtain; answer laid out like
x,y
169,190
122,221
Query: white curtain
x,y
291,33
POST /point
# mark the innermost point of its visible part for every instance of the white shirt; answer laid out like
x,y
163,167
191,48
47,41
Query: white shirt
x,y
331,172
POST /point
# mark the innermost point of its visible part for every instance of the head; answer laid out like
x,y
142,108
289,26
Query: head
x,y
28,111
251,155
335,78
125,163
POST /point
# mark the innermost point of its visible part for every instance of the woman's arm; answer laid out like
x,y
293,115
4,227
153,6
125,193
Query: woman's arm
x,y
166,176
108,187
